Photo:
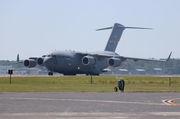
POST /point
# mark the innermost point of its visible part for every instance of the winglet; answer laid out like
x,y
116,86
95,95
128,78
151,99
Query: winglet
x,y
168,57
17,58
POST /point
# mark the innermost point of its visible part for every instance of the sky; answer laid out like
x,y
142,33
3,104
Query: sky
x,y
33,28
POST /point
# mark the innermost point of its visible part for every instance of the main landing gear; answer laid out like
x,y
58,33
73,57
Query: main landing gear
x,y
50,73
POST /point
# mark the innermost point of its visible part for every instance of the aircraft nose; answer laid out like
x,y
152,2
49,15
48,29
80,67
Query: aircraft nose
x,y
48,62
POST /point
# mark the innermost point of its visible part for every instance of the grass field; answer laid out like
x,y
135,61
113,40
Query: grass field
x,y
82,84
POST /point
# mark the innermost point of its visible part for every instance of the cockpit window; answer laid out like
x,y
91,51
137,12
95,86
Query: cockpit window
x,y
61,56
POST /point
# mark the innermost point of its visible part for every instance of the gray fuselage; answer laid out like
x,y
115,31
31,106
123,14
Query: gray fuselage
x,y
70,63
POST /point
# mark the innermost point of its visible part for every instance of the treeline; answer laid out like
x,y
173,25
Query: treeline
x,y
173,65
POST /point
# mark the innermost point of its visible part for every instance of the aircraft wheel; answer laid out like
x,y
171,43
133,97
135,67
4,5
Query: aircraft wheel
x,y
121,85
115,89
50,73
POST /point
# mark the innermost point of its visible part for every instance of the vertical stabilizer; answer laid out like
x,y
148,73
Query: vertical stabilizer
x,y
115,36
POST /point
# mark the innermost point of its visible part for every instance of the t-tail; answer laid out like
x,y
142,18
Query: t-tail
x,y
115,36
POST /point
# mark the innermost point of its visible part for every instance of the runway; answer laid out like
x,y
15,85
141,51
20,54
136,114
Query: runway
x,y
89,105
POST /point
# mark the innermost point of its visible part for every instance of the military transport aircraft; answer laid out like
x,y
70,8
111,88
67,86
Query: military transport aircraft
x,y
92,63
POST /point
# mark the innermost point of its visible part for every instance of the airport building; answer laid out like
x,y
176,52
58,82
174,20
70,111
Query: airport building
x,y
156,71
138,72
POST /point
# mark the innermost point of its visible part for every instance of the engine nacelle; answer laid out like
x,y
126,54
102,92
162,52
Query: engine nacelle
x,y
29,63
88,60
40,61
115,62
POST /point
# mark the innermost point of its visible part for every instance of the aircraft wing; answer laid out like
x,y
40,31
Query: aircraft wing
x,y
136,59
101,56
123,58
21,61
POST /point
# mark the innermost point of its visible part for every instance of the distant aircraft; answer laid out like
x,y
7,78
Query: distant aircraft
x,y
93,63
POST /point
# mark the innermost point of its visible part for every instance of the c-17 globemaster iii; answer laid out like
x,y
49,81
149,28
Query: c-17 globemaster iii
x,y
92,63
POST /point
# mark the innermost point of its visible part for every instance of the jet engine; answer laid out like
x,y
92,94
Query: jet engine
x,y
30,63
88,60
40,61
115,62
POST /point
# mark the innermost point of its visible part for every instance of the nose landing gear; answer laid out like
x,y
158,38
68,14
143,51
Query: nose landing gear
x,y
50,73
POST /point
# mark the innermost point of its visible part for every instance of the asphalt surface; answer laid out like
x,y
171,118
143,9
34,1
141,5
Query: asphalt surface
x,y
89,105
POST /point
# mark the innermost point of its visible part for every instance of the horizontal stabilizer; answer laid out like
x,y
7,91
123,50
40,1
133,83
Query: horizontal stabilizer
x,y
137,28
104,28
124,27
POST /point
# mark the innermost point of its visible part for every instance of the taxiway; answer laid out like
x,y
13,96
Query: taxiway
x,y
89,105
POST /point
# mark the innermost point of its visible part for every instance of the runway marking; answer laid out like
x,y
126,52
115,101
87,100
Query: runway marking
x,y
172,102
95,101
89,115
